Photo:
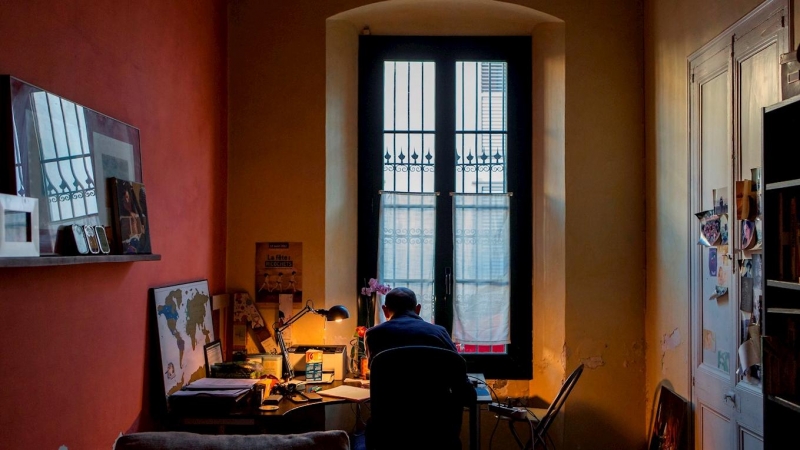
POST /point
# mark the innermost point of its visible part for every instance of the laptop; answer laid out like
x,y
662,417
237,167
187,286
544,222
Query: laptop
x,y
484,396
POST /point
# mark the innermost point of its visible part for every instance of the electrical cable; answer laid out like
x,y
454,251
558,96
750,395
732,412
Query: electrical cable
x,y
534,436
515,435
491,436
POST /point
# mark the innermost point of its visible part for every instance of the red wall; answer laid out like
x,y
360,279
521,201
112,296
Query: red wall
x,y
73,339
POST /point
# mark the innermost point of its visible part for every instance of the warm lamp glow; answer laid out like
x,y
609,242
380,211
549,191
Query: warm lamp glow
x,y
336,313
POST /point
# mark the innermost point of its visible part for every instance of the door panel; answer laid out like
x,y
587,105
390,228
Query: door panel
x,y
716,430
749,440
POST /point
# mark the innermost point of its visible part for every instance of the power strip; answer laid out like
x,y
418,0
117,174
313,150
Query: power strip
x,y
508,411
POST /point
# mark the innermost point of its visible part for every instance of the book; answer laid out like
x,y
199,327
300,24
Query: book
x,y
131,224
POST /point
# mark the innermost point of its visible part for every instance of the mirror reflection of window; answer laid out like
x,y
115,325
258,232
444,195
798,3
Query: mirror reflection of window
x,y
67,179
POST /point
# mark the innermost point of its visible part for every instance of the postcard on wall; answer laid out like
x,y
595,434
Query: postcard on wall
x,y
279,270
709,343
721,201
246,313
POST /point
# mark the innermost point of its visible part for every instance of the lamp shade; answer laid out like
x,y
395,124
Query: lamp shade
x,y
337,312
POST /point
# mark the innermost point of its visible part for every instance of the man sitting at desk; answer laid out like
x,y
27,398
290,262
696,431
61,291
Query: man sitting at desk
x,y
404,326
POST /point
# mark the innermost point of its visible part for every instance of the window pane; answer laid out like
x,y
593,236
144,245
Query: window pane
x,y
481,127
407,244
482,277
409,126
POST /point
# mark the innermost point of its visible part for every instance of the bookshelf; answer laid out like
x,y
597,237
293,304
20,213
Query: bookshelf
x,y
781,322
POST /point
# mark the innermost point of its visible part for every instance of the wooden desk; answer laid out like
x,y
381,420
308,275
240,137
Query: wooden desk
x,y
247,418
290,417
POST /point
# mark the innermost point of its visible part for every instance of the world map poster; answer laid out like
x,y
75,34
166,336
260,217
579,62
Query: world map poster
x,y
183,313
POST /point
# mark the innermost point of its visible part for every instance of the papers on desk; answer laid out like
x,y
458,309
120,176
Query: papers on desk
x,y
221,383
209,393
234,394
355,394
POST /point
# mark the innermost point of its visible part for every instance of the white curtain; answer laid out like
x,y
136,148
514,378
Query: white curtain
x,y
406,246
481,269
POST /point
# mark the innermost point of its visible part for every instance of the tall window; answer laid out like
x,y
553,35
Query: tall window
x,y
445,187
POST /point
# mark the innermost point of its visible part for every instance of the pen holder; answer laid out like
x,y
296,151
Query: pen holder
x,y
258,394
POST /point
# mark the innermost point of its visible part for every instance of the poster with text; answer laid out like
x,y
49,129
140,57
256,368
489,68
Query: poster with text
x,y
279,270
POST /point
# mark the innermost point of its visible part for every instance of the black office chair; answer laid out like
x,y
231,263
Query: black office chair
x,y
417,399
540,420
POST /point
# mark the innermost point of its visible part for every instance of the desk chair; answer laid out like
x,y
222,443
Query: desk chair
x,y
417,399
541,419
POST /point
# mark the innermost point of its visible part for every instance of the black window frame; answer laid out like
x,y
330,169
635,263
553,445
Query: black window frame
x,y
517,363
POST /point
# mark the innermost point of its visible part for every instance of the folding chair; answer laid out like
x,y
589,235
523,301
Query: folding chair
x,y
540,419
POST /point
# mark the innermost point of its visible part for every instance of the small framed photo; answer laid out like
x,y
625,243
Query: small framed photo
x,y
19,226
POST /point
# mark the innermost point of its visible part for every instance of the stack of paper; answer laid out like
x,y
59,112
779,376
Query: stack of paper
x,y
356,394
211,393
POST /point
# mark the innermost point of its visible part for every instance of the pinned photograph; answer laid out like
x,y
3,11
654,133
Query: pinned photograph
x,y
709,228
712,261
721,201
748,234
723,229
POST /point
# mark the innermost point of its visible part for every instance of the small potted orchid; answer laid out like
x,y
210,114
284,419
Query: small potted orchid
x,y
367,302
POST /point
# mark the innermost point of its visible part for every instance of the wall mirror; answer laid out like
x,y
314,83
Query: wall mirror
x,y
62,153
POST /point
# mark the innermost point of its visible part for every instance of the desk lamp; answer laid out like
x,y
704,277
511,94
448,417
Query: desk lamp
x,y
337,313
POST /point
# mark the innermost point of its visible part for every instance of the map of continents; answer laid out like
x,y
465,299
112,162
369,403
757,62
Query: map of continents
x,y
184,326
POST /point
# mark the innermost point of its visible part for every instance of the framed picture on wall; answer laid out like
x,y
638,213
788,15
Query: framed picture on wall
x,y
62,153
130,218
19,226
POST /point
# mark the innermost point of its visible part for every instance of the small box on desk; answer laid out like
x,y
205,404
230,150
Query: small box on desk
x,y
333,359
314,365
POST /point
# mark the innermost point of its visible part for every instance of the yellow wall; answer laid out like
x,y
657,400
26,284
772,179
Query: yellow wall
x,y
278,190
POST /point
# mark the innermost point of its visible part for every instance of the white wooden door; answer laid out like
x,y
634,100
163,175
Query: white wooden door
x,y
732,79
